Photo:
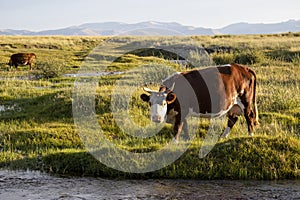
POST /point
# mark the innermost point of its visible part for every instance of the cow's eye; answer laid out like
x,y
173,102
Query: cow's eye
x,y
164,104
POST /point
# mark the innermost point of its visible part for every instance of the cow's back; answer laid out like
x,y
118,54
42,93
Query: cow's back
x,y
199,90
209,90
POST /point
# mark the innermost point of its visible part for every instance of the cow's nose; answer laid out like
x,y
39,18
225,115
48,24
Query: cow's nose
x,y
156,118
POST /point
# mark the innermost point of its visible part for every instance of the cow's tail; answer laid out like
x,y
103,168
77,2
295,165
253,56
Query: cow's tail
x,y
255,112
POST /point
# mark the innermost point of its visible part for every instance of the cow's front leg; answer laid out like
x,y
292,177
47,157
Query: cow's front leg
x,y
180,125
177,129
185,130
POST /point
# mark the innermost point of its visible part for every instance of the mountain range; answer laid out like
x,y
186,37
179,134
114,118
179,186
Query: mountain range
x,y
162,28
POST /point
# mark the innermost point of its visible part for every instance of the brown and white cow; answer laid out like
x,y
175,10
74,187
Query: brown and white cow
x,y
21,59
211,92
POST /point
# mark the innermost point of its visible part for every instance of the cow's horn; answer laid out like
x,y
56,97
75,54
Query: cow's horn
x,y
173,86
148,90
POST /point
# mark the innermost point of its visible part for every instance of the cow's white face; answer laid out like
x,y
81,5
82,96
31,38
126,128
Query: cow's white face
x,y
158,109
158,104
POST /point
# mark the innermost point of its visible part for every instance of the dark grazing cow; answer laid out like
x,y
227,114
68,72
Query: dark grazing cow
x,y
21,59
211,92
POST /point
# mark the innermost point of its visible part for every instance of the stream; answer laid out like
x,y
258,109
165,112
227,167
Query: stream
x,y
19,185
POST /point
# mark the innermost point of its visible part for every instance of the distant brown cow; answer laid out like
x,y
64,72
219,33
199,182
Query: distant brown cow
x,y
21,59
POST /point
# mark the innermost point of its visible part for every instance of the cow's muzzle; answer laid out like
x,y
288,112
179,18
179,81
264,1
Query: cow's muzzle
x,y
157,119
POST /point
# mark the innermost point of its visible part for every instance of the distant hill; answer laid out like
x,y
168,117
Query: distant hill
x,y
246,28
162,28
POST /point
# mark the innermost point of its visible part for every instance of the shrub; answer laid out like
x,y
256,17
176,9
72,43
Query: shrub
x,y
249,57
296,59
284,55
49,69
223,58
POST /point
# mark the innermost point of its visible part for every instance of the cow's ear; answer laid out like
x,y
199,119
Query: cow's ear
x,y
171,97
145,97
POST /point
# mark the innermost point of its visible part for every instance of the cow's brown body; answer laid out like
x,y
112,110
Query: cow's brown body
x,y
21,59
209,93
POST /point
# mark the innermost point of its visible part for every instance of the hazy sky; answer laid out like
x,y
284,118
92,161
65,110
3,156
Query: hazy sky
x,y
53,14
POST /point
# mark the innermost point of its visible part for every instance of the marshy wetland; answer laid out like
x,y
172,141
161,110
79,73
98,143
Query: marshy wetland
x,y
37,130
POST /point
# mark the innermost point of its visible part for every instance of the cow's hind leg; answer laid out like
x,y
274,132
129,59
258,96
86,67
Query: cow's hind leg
x,y
249,115
231,122
250,122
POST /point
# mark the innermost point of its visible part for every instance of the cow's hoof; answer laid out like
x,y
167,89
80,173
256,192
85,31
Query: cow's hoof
x,y
175,141
226,132
186,137
251,134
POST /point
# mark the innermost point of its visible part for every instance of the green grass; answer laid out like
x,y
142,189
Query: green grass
x,y
37,128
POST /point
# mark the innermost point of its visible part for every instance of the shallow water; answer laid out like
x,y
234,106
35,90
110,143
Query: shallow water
x,y
93,74
81,74
19,185
14,107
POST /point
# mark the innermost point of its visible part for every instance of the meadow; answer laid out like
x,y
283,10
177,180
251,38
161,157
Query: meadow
x,y
37,129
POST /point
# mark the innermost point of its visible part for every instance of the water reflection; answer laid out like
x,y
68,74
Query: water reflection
x,y
17,185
